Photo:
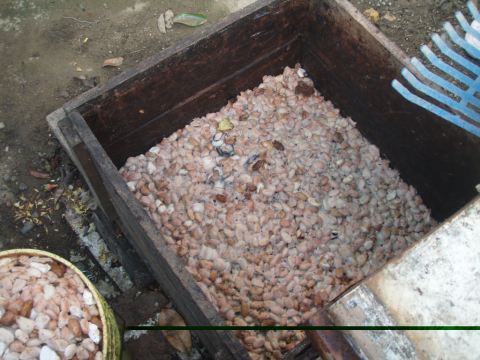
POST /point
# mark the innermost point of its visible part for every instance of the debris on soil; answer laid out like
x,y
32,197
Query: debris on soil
x,y
2,125
67,179
38,174
161,24
22,186
190,19
372,15
54,162
113,62
179,339
169,19
27,226
49,187
23,209
389,17
82,23
92,82
58,193
97,246
6,196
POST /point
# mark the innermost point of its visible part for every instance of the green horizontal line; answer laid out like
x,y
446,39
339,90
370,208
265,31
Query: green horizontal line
x,y
265,328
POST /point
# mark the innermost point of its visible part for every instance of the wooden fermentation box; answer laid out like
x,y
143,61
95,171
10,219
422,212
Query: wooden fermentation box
x,y
352,64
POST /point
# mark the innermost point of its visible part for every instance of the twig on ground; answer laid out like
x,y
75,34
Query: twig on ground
x,y
441,3
137,51
82,23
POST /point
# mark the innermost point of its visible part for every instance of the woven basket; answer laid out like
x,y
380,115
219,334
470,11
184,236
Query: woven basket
x,y
111,336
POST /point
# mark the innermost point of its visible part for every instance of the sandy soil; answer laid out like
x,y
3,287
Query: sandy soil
x,y
44,44
415,20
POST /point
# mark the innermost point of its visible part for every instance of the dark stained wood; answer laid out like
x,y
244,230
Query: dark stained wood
x,y
171,89
132,310
352,65
167,79
168,270
303,351
413,172
123,251
211,99
438,158
331,344
84,163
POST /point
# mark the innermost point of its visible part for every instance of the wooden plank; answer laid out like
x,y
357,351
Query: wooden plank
x,y
414,172
96,185
365,61
168,270
434,283
331,344
123,251
156,85
355,69
61,127
303,351
209,100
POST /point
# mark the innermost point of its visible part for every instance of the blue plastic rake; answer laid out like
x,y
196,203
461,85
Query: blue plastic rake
x,y
466,96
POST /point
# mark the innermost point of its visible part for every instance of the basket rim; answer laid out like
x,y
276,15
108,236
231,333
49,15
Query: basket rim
x,y
96,294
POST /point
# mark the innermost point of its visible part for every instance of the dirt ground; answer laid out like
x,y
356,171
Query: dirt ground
x,y
45,43
43,46
415,21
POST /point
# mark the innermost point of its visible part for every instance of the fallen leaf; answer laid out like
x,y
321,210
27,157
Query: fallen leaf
x,y
372,15
103,258
190,19
179,339
113,62
49,187
169,19
54,162
58,193
67,179
79,69
389,17
38,174
87,82
225,125
161,24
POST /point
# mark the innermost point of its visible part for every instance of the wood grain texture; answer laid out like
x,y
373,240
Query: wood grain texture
x,y
209,100
438,158
83,162
351,63
167,79
167,268
123,251
330,344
